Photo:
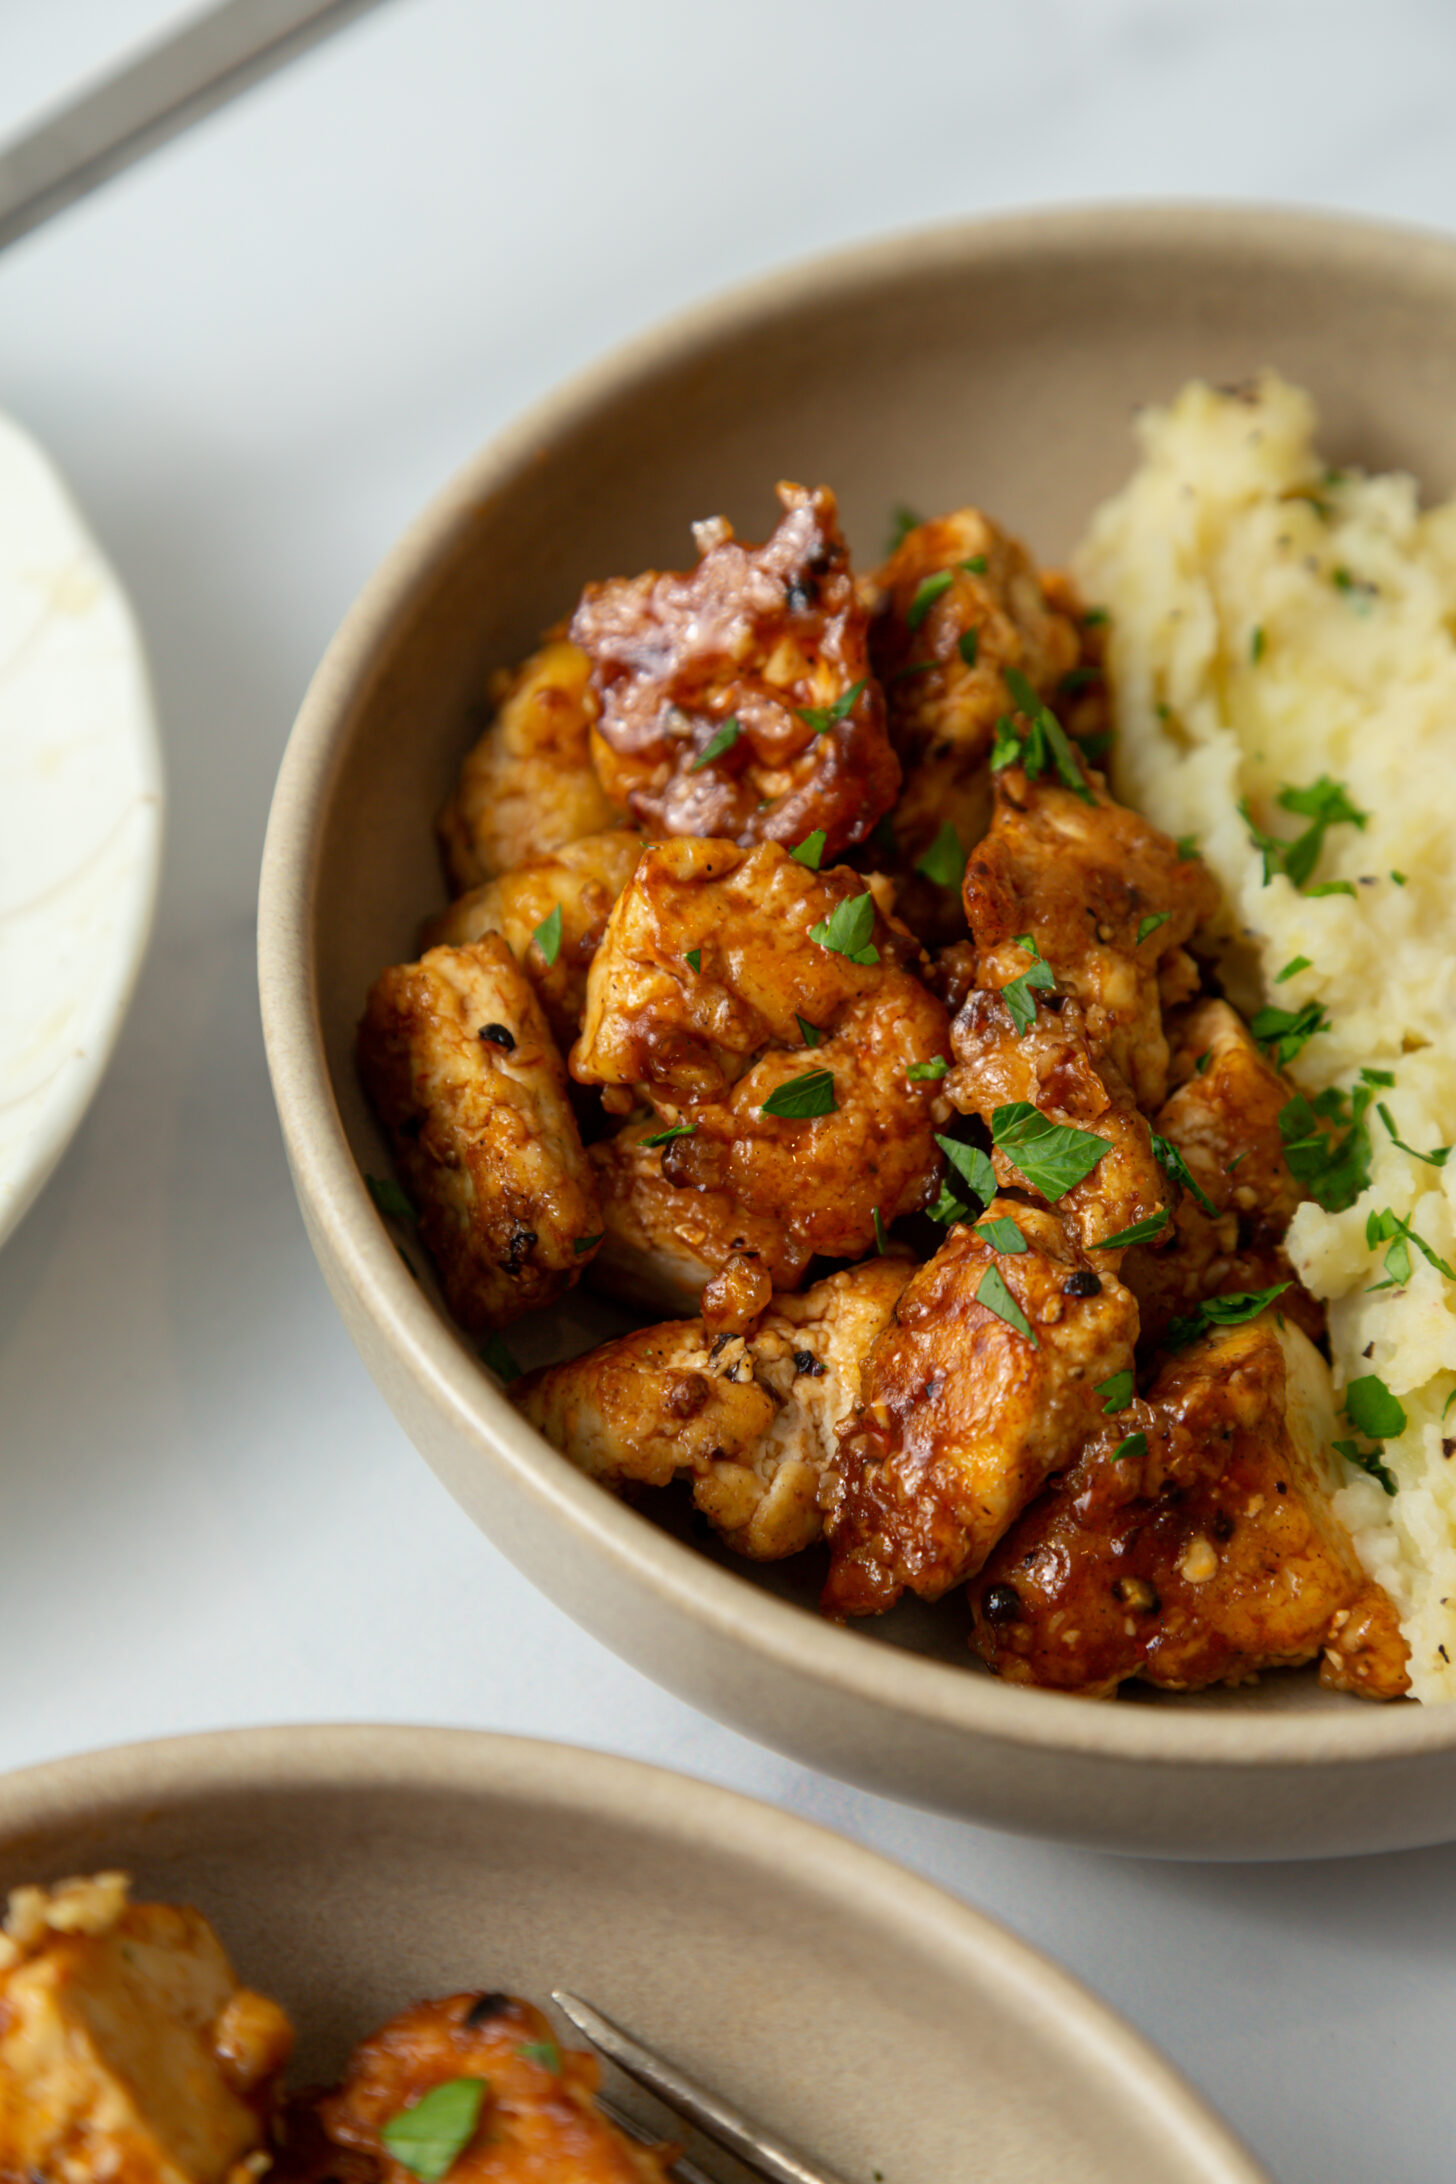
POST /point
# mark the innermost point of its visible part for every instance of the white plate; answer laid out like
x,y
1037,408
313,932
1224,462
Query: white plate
x,y
80,817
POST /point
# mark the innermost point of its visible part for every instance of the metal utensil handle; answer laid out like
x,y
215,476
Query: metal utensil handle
x,y
686,2172
170,85
716,2118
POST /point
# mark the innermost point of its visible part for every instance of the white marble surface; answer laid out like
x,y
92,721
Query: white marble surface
x,y
254,357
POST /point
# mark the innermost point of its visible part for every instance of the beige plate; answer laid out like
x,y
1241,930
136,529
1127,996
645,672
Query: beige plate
x,y
862,2014
998,362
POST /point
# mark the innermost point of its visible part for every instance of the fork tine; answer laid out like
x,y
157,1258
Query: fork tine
x,y
686,2172
716,2118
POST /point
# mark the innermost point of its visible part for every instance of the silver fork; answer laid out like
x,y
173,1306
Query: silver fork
x,y
717,2119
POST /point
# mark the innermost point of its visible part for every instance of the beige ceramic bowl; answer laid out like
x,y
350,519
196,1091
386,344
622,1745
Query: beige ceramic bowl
x,y
1000,362
869,2019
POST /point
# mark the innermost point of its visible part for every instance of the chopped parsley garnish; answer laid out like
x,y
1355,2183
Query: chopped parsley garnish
x,y
547,937
1177,1170
976,566
1096,746
1325,803
1002,1234
847,929
1017,993
927,591
390,1199
1378,1076
1399,878
881,1244
544,2052
800,1097
811,1032
1256,646
1388,1227
723,741
1373,1410
1187,848
1053,1156
1095,617
811,850
821,718
971,1165
991,1291
663,1137
1151,923
929,1072
912,667
1333,1170
1368,1461
1286,1032
903,521
1200,1067
1131,1444
428,2138
968,645
1116,1391
494,1353
1045,739
587,1243
1292,968
1436,1158
948,1207
694,959
945,861
1230,1311
1079,678
1331,887
1141,1232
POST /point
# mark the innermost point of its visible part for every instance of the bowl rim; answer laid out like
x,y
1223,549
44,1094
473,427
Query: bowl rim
x,y
160,1774
1176,1733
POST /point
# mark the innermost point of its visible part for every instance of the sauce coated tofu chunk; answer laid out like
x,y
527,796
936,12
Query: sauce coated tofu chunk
x,y
736,700
982,1385
457,1059
537,2121
1193,1542
129,2054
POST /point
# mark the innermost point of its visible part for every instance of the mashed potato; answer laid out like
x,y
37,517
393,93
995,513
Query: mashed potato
x,y
1277,627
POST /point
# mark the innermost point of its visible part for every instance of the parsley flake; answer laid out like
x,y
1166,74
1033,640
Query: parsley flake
x,y
1141,1232
1080,678
495,1354
1053,1156
971,1165
547,936
390,1200
929,1072
429,2137
945,861
1333,1170
1399,878
1151,923
881,1244
1233,1310
1286,1032
992,1292
1177,1170
927,591
544,2052
1377,1076
1256,646
903,520
1017,993
663,1137
976,565
1132,1444
1187,848
1331,887
1292,968
1325,803
582,1244
694,959
847,929
821,718
1116,1391
811,850
1436,1158
912,667
723,741
1373,1410
1045,739
811,1032
968,645
800,1097
1002,1234
1388,1227
1368,1461
1095,617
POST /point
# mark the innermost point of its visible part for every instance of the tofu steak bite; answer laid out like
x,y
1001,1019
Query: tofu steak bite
x,y
456,1056
519,2109
528,786
582,880
749,1415
1194,1542
128,2049
771,1016
736,701
981,1386
1109,901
